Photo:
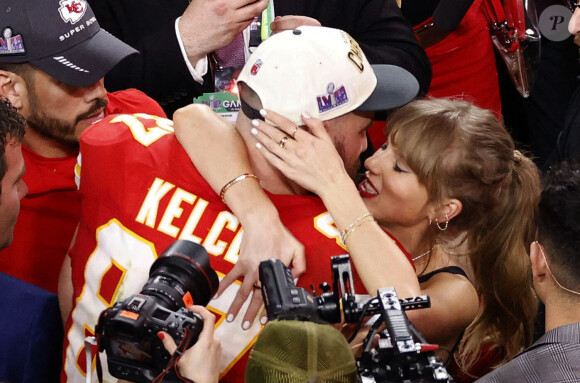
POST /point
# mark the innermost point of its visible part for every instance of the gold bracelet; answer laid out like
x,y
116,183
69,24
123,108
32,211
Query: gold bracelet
x,y
353,226
237,179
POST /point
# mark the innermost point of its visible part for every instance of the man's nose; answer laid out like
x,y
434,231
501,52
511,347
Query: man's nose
x,y
97,90
574,23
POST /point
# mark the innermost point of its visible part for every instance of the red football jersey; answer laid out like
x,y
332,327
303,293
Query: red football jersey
x,y
140,194
49,212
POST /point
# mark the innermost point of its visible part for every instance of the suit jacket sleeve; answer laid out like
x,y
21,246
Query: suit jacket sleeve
x,y
44,344
377,25
160,70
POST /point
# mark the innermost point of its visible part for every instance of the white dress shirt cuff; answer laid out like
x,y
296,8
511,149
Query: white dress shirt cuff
x,y
200,69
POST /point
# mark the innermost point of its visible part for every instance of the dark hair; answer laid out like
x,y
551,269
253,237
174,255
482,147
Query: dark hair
x,y
11,128
559,221
461,151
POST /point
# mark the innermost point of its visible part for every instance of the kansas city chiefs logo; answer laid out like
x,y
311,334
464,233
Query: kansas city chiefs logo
x,y
72,10
256,67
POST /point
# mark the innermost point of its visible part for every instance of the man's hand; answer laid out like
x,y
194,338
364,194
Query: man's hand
x,y
207,25
200,363
263,239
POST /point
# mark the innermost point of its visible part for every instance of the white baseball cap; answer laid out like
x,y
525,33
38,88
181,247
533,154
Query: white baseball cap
x,y
324,72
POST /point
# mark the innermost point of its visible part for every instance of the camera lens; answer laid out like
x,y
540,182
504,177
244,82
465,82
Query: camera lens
x,y
182,276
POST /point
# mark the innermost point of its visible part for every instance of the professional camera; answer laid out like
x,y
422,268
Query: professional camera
x,y
180,277
400,354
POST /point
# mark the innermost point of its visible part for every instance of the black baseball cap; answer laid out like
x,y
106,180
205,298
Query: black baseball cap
x,y
59,37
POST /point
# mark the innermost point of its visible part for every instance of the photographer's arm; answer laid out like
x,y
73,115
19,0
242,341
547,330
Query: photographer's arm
x,y
201,362
220,156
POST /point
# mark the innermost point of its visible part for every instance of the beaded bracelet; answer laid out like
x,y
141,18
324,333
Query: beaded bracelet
x,y
237,179
355,225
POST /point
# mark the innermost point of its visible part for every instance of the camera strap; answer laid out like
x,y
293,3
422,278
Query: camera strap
x,y
98,333
185,343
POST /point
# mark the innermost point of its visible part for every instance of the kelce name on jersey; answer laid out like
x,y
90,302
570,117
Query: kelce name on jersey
x,y
225,220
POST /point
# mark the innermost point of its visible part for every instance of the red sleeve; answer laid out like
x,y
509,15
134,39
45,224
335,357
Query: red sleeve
x,y
131,101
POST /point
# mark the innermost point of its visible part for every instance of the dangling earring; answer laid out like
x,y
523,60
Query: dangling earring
x,y
446,223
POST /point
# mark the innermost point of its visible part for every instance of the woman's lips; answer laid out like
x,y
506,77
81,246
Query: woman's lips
x,y
367,189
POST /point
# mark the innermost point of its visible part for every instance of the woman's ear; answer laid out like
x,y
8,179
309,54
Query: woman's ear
x,y
452,208
446,212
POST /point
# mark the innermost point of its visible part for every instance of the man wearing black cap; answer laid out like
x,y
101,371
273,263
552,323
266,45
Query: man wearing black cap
x,y
53,57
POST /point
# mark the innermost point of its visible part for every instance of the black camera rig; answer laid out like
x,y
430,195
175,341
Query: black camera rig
x,y
399,356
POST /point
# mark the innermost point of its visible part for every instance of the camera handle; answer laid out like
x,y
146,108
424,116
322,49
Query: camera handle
x,y
89,341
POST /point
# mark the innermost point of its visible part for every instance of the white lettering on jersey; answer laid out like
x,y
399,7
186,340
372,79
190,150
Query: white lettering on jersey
x,y
225,219
148,212
174,211
193,220
324,223
145,136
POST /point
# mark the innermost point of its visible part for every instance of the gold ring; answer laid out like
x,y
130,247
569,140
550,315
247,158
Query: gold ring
x,y
282,142
294,132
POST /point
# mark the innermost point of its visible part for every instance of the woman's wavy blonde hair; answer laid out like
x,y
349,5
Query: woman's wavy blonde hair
x,y
461,151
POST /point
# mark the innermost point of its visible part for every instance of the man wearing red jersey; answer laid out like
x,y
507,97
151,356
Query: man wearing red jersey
x,y
53,57
141,193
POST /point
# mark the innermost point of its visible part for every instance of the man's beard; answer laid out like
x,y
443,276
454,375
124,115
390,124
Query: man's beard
x,y
59,130
352,168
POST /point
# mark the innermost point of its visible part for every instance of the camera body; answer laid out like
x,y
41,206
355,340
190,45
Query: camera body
x,y
398,356
134,352
284,300
127,331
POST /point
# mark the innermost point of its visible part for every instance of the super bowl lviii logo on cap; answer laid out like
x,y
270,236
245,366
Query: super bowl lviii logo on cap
x,y
72,11
332,99
10,44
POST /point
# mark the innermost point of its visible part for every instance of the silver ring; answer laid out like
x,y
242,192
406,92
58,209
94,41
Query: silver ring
x,y
178,352
257,286
282,142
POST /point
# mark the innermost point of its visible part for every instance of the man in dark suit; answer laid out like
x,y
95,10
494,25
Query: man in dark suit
x,y
30,328
162,71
